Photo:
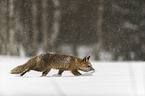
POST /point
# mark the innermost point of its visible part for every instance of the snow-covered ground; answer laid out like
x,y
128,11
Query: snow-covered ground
x,y
110,79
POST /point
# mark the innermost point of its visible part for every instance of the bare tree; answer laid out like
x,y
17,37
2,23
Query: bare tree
x,y
56,23
46,23
3,27
35,30
27,24
99,27
13,46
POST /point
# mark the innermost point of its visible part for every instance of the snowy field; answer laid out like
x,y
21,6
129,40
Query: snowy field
x,y
110,79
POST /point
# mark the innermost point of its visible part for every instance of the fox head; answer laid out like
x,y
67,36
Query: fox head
x,y
86,66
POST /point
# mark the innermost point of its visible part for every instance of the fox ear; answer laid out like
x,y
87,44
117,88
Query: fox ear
x,y
85,59
88,57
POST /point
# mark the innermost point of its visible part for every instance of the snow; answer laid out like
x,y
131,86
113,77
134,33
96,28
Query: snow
x,y
109,79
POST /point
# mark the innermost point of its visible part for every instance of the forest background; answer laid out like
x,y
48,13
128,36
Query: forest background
x,y
111,29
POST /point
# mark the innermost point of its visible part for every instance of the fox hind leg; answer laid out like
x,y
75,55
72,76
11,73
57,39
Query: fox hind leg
x,y
60,72
25,71
45,72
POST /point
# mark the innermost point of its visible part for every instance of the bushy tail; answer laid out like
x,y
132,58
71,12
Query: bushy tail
x,y
30,64
19,69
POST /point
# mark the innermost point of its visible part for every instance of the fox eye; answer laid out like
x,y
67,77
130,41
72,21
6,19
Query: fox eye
x,y
88,66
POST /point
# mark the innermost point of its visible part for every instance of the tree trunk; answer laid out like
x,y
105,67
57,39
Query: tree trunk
x,y
35,30
56,23
13,46
46,23
99,26
3,27
27,23
19,29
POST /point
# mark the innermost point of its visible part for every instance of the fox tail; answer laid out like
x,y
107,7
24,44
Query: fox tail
x,y
19,69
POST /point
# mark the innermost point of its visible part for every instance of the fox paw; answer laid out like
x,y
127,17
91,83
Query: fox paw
x,y
56,75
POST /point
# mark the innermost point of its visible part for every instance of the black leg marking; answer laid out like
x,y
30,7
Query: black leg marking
x,y
76,72
24,72
60,72
45,72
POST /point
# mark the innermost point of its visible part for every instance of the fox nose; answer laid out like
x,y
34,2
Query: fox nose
x,y
93,69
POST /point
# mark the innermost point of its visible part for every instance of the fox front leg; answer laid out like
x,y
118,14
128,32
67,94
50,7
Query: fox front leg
x,y
76,72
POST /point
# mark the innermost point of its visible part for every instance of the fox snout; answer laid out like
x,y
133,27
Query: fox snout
x,y
91,69
87,69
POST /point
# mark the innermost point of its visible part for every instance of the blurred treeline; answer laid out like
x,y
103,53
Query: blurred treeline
x,y
113,26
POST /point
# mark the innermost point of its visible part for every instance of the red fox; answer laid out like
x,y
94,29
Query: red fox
x,y
46,61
